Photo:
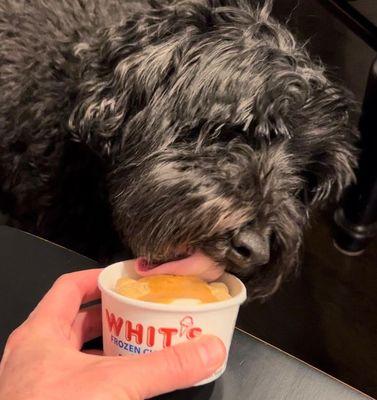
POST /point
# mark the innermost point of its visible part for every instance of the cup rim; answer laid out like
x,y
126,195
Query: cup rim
x,y
236,300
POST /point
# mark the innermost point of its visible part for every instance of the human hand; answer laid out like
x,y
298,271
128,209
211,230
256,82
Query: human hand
x,y
42,358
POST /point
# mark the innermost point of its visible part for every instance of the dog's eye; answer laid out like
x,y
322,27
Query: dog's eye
x,y
189,135
221,134
245,136
229,133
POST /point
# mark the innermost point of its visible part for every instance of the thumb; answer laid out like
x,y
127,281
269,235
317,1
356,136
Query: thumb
x,y
175,367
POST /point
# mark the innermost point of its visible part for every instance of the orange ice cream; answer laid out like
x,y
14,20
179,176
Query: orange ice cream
x,y
172,289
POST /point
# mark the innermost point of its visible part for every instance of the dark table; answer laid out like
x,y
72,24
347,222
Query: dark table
x,y
256,370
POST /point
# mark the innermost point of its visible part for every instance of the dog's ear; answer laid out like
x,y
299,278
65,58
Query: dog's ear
x,y
329,172
327,145
313,114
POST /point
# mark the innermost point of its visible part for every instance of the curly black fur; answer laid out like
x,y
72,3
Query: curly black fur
x,y
172,126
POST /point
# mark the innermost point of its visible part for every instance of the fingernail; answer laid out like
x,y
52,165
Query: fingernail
x,y
211,350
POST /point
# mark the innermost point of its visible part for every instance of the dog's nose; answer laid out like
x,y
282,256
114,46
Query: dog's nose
x,y
249,249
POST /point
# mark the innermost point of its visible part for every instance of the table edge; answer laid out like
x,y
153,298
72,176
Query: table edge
x,y
304,362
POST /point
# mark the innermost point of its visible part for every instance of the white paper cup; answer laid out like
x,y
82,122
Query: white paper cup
x,y
138,327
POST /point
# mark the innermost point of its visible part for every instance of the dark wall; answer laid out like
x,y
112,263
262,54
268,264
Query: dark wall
x,y
347,56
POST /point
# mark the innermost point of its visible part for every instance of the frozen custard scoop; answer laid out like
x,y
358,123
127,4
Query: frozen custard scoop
x,y
173,289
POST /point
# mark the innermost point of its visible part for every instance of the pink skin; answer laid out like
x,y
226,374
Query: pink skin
x,y
197,264
42,358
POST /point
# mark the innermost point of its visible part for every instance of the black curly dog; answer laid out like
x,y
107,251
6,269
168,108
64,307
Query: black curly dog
x,y
176,125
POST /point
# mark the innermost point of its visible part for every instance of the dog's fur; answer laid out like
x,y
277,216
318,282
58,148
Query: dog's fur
x,y
173,125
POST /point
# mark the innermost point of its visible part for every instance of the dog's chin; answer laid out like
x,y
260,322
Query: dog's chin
x,y
245,272
244,276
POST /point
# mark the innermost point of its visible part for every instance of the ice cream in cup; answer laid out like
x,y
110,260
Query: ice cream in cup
x,y
140,325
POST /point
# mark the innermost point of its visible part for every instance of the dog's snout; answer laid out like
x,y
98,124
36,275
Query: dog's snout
x,y
249,249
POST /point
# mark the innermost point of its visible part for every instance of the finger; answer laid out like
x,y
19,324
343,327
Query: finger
x,y
86,326
173,368
62,302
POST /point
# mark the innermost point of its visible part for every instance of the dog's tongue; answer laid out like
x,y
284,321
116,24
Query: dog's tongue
x,y
197,264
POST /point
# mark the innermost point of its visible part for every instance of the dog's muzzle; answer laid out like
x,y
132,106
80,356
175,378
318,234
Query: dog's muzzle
x,y
249,249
